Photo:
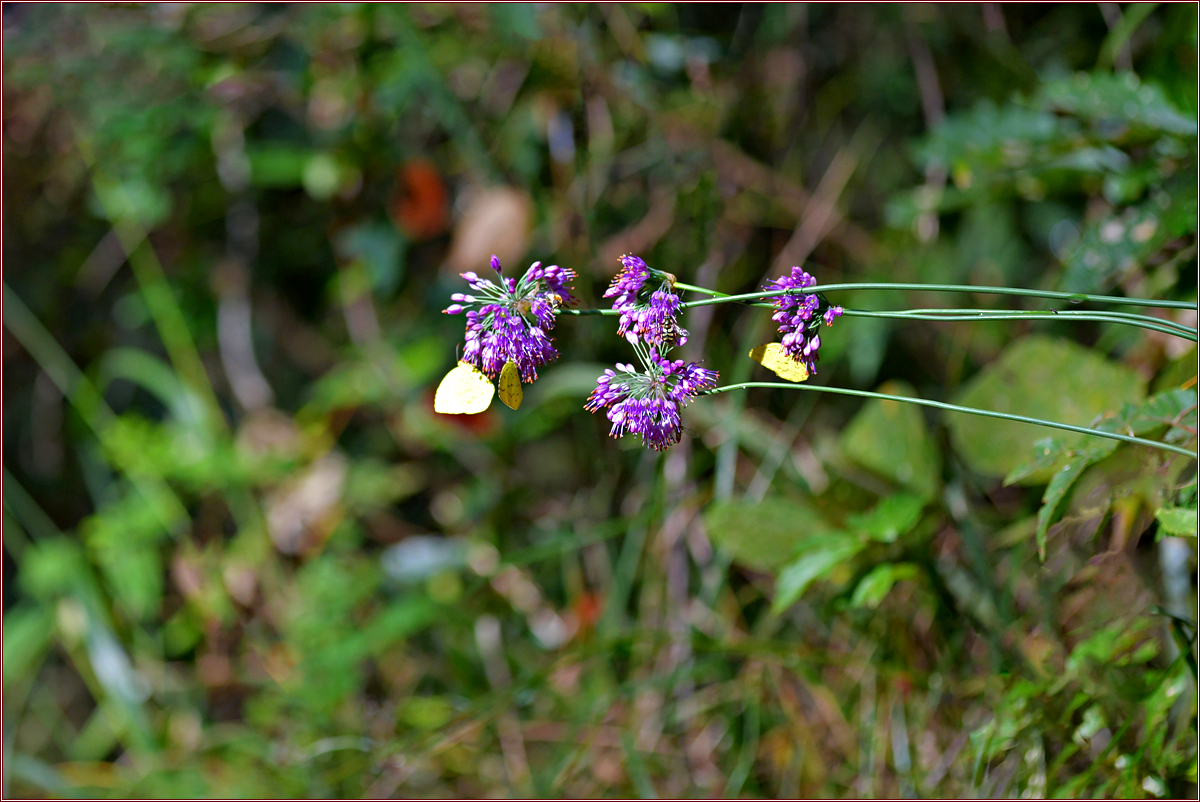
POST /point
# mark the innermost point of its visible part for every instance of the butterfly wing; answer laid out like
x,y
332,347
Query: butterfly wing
x,y
509,385
464,391
772,357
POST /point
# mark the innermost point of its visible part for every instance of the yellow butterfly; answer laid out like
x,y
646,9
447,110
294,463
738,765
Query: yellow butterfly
x,y
464,391
772,357
509,385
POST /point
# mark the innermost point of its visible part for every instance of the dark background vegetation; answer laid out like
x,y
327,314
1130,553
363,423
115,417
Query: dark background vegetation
x,y
244,557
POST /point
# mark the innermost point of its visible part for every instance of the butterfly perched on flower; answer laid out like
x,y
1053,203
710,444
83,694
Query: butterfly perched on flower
x,y
775,358
465,390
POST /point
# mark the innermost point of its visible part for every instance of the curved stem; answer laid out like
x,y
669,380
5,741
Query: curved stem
x,y
701,290
1140,321
1186,331
965,314
956,408
1073,297
581,312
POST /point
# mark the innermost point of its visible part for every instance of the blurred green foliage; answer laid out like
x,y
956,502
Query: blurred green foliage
x,y
244,557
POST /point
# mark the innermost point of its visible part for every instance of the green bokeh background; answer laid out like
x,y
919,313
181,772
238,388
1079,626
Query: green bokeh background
x,y
244,557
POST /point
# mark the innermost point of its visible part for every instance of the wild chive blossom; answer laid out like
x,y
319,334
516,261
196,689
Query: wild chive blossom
x,y
648,304
648,404
509,321
799,316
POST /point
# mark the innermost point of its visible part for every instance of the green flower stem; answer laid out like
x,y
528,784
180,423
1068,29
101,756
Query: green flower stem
x,y
1140,321
581,312
1178,328
966,314
1073,297
956,408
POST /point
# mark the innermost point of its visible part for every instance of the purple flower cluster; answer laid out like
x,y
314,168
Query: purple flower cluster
x,y
800,315
509,321
648,304
647,404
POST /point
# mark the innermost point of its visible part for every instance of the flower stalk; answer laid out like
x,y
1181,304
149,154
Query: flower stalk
x,y
986,413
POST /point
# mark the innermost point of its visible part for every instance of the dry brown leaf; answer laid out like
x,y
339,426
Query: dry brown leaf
x,y
495,220
305,509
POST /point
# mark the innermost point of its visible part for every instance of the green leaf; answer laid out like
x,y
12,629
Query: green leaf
x,y
1039,377
1172,407
27,633
372,484
1053,452
1111,102
1177,521
277,165
894,516
426,712
1124,239
1176,372
1056,491
890,438
52,567
984,135
134,574
1049,451
762,536
380,247
873,587
153,375
817,557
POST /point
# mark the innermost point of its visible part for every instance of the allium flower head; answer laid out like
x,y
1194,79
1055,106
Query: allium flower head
x,y
648,403
508,322
646,299
799,316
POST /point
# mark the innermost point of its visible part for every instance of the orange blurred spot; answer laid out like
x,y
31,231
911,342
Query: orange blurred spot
x,y
420,204
587,608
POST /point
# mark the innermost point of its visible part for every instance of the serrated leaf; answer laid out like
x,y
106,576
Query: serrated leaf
x,y
1048,451
894,516
873,587
1089,452
1173,407
818,556
1177,521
